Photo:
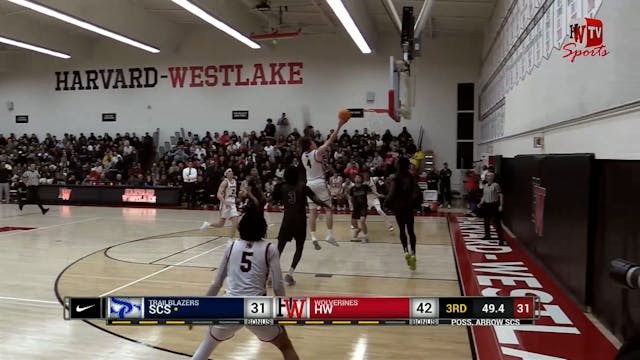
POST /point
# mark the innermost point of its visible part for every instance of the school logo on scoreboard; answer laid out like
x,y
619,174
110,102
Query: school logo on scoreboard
x,y
126,308
292,308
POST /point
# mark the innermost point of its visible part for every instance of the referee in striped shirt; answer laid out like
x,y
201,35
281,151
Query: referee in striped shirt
x,y
31,179
491,204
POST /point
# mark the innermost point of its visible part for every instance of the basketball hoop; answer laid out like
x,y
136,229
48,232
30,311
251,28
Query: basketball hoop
x,y
391,111
400,97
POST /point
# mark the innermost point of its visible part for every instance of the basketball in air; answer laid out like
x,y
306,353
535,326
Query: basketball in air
x,y
344,114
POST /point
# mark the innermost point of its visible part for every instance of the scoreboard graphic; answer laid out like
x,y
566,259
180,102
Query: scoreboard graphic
x,y
419,311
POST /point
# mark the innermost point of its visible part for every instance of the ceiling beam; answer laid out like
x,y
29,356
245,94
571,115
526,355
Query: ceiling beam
x,y
323,13
29,30
423,17
363,21
81,22
393,14
271,20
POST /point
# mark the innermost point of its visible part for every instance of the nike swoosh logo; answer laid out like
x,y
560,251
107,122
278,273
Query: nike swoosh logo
x,y
81,309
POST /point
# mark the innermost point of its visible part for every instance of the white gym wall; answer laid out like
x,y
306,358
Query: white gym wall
x,y
335,75
557,98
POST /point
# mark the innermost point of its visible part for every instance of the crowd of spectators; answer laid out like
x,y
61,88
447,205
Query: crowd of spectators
x,y
129,160
120,160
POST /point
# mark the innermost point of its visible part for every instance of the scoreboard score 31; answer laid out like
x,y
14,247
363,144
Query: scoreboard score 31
x,y
430,311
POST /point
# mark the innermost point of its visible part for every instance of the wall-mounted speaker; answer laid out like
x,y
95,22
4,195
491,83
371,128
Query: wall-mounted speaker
x,y
371,96
10,105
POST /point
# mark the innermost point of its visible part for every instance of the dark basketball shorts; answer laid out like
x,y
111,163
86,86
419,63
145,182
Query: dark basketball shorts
x,y
290,230
359,211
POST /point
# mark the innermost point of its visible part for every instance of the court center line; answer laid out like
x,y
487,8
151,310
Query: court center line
x,y
47,227
9,298
161,270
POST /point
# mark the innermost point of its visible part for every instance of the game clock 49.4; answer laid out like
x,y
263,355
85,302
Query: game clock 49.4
x,y
494,308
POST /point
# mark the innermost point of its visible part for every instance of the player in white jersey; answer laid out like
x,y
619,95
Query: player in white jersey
x,y
245,265
227,193
373,198
312,160
335,190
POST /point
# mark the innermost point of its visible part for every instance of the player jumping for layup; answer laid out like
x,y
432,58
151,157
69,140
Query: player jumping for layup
x,y
293,194
312,159
227,193
246,264
373,197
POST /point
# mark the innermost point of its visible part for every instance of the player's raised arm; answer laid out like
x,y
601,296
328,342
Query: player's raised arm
x,y
276,271
343,117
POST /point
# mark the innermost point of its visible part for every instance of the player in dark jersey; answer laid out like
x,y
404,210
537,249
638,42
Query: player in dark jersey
x,y
254,197
358,195
293,194
402,199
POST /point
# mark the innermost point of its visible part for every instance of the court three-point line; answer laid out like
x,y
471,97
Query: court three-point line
x,y
162,270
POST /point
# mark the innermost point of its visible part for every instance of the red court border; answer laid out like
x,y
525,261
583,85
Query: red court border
x,y
559,341
14,228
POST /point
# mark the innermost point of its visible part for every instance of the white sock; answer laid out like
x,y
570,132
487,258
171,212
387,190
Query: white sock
x,y
206,347
329,232
354,233
313,236
291,270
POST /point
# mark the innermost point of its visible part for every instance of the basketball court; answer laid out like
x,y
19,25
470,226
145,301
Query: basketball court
x,y
88,251
483,86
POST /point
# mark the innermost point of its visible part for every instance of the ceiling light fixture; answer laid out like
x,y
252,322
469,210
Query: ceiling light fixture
x,y
204,15
39,49
343,15
83,24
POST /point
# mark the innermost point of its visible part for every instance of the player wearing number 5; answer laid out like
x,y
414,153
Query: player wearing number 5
x,y
245,265
312,160
227,193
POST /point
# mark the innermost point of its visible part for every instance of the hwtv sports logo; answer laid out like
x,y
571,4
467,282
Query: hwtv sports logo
x,y
587,35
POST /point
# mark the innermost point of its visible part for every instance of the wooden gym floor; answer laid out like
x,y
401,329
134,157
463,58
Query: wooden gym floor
x,y
91,251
